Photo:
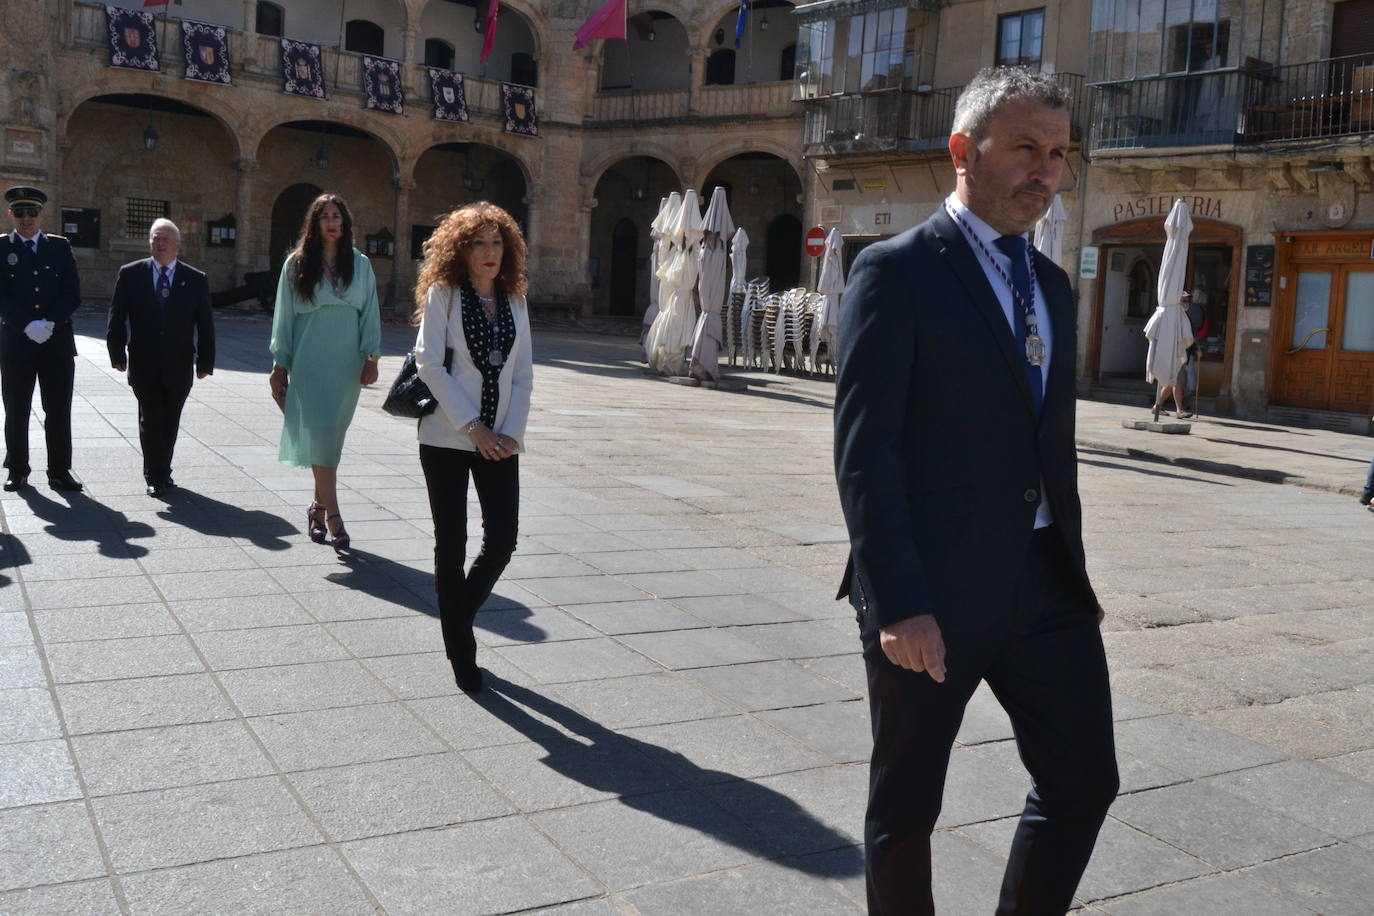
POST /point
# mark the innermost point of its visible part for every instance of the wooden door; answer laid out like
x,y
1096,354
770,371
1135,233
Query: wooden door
x,y
1328,358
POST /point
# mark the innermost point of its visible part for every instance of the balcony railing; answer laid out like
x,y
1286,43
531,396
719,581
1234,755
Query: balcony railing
x,y
754,100
640,105
901,120
1322,98
1254,104
260,56
759,100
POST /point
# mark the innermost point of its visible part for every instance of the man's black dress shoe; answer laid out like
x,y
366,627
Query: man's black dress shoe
x,y
65,481
156,489
16,482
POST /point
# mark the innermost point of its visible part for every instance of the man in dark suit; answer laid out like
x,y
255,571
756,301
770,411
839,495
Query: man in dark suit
x,y
161,310
954,453
39,291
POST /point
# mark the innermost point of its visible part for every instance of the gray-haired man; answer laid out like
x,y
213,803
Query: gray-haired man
x,y
161,311
954,452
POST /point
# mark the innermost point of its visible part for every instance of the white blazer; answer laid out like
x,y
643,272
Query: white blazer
x,y
459,391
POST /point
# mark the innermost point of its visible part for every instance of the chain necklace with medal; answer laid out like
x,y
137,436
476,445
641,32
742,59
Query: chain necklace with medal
x,y
1035,344
331,273
494,356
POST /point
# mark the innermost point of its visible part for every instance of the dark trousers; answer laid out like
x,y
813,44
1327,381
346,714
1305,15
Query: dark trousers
x,y
1043,659
55,373
461,595
1369,483
160,402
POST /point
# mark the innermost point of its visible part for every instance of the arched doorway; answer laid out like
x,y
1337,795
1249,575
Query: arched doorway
x,y
624,254
627,199
288,214
644,61
450,175
768,42
765,201
783,258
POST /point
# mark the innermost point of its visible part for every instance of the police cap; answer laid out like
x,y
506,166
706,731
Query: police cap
x,y
25,197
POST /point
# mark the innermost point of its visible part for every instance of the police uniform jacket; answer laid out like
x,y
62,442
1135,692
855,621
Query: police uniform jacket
x,y
38,286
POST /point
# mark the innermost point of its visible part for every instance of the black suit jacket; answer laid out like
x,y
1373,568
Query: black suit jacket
x,y
939,455
163,343
42,286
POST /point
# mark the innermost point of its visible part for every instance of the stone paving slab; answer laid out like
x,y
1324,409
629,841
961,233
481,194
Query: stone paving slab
x,y
201,711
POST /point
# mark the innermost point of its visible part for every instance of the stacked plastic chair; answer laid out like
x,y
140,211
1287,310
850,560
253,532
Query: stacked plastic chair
x,y
751,322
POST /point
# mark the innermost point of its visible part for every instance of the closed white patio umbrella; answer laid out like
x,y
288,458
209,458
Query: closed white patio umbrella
x,y
831,285
1168,329
716,229
671,333
667,209
1049,231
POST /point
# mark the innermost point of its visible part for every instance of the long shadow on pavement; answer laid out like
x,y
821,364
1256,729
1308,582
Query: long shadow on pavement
x,y
748,816
82,518
208,515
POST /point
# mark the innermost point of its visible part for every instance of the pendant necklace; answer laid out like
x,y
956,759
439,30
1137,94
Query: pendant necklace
x,y
1035,344
494,356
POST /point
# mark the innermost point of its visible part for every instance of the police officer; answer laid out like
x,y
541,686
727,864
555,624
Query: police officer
x,y
39,291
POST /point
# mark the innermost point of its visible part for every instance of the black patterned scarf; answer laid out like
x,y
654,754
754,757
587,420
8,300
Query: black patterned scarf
x,y
485,341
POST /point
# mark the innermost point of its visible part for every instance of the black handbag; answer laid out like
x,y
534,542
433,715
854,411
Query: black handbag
x,y
409,396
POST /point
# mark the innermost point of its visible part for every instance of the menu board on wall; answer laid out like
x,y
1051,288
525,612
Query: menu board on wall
x,y
1259,276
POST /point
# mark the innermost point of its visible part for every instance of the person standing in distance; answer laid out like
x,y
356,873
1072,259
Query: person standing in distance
x,y
954,455
161,329
39,291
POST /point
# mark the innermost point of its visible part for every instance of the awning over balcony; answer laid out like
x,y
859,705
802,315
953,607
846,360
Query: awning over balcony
x,y
838,9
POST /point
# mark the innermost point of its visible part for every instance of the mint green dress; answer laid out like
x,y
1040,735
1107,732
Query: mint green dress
x,y
322,345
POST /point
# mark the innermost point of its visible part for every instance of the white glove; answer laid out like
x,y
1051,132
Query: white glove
x,y
39,330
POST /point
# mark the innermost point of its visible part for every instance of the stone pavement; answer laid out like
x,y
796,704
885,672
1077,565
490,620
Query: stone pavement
x,y
201,711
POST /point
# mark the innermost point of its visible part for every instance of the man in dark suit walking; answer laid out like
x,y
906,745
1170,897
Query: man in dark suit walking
x,y
954,453
161,310
39,291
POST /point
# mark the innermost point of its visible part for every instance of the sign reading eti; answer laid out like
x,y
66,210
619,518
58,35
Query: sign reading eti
x,y
1209,207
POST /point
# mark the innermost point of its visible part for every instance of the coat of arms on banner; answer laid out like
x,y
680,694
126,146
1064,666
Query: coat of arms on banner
x,y
207,51
450,104
301,72
382,85
133,39
518,102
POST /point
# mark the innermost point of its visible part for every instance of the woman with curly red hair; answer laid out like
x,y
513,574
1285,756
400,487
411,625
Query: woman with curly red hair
x,y
470,300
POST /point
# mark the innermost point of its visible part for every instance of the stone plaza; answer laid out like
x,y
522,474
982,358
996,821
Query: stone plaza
x,y
203,712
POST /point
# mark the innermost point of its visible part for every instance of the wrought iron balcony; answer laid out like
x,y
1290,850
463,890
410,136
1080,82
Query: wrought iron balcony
x,y
899,120
1252,104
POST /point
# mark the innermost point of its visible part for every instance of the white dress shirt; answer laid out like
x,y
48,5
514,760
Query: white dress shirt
x,y
1002,289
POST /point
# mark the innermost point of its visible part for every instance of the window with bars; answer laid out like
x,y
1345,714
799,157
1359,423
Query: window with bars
x,y
139,213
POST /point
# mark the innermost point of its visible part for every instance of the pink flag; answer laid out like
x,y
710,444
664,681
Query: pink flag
x,y
489,41
607,22
148,3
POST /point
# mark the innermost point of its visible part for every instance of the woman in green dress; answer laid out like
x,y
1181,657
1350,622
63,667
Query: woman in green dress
x,y
326,339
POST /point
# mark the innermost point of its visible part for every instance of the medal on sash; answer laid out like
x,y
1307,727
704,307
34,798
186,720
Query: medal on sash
x,y
13,259
165,291
495,358
1035,344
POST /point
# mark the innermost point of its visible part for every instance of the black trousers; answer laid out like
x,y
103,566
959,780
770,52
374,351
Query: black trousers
x,y
160,402
21,366
461,595
1043,659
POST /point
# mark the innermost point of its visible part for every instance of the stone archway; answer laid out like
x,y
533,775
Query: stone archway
x,y
764,193
627,192
288,218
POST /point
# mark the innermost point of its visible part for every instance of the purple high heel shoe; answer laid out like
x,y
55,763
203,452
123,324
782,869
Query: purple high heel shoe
x,y
315,528
341,540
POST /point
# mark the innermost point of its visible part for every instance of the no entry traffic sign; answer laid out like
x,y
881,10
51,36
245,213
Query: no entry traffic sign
x,y
815,241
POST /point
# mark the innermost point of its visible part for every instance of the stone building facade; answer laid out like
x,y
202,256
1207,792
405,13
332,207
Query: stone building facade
x,y
620,125
1258,113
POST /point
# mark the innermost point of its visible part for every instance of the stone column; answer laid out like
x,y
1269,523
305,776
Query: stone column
x,y
248,53
583,287
402,269
698,57
408,71
243,218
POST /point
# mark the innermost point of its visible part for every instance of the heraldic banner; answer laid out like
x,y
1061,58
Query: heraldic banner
x,y
518,102
133,39
450,103
207,51
301,71
382,85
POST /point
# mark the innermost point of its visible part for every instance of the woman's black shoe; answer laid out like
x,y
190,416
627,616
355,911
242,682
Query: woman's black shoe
x,y
468,676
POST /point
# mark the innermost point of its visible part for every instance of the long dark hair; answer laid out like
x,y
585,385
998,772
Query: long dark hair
x,y
308,255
